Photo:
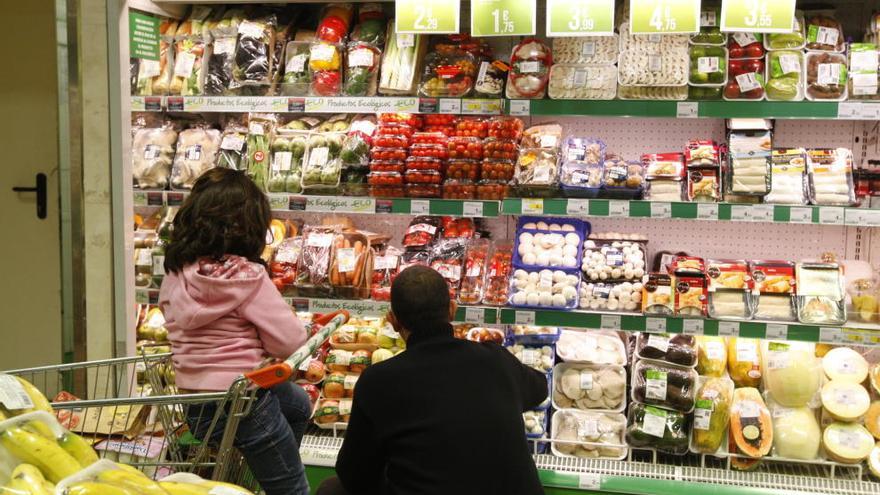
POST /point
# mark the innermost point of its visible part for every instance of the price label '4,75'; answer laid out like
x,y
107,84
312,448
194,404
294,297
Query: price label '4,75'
x,y
664,16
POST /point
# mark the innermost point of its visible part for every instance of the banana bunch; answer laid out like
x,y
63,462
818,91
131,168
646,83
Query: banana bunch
x,y
127,480
39,400
35,443
27,479
203,488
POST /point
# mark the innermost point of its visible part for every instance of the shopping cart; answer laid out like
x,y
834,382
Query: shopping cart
x,y
132,413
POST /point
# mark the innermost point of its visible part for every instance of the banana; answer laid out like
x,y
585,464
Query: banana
x,y
4,414
74,445
33,478
230,488
41,429
130,469
52,460
95,488
37,397
176,488
139,482
16,487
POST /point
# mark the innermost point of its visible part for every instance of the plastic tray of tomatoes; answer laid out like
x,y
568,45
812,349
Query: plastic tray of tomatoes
x,y
472,127
465,147
394,129
388,154
384,179
463,169
413,120
387,191
441,119
387,166
429,138
428,151
500,149
389,141
754,46
748,71
423,177
490,189
459,189
458,227
423,190
497,170
499,268
506,128
447,130
424,163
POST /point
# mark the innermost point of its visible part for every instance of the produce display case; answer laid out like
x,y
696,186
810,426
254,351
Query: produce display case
x,y
432,143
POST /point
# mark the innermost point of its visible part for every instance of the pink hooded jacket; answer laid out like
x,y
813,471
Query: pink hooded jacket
x,y
223,319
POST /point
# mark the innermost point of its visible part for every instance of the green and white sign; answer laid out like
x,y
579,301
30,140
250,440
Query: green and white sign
x,y
427,16
143,36
503,17
757,16
580,17
664,16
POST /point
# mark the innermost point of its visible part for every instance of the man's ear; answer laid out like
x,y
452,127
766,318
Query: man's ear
x,y
391,318
453,307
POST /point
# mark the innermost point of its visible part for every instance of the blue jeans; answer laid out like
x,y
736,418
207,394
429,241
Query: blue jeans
x,y
268,437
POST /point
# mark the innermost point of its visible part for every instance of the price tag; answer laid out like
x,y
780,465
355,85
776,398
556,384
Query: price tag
x,y
419,207
580,17
577,207
655,325
870,218
762,213
776,331
661,210
664,16
610,322
532,206
472,209
870,111
692,327
427,16
520,107
524,317
800,215
757,16
474,315
830,335
849,110
617,208
450,105
831,215
590,481
728,329
687,110
503,17
707,211
739,213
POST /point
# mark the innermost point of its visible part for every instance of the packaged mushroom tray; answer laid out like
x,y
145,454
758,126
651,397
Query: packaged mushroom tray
x,y
588,434
589,387
549,242
592,50
582,82
541,358
591,347
533,334
668,68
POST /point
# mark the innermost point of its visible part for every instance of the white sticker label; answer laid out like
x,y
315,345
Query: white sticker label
x,y
386,262
529,67
224,45
708,18
692,326
152,152
748,82
183,66
588,428
346,260
790,64
863,61
829,74
343,358
159,265
659,342
744,39
749,410
362,57
653,424
531,357
579,78
708,65
318,156
345,407
702,419
319,240
282,161
777,360
827,36
655,388
322,52
296,64
746,351
586,380
655,63
232,142
588,48
715,350
406,40
13,395
349,381
149,69
247,28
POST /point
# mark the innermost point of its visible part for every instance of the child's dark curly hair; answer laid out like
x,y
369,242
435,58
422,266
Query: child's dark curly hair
x,y
226,213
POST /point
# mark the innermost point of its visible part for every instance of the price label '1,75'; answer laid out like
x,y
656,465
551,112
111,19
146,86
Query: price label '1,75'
x,y
664,16
580,17
503,17
427,16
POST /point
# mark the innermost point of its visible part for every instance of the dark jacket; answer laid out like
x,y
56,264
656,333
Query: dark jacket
x,y
444,417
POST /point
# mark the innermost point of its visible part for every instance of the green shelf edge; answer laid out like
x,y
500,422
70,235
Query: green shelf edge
x,y
668,109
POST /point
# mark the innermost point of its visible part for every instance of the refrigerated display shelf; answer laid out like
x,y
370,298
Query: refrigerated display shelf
x,y
309,104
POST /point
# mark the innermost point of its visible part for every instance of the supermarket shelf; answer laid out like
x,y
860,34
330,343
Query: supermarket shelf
x,y
345,204
825,215
852,333
298,104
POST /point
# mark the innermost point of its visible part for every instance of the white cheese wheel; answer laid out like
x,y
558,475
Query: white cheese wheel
x,y
846,365
845,401
848,443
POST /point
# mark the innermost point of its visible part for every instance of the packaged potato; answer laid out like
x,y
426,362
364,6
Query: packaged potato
x,y
744,361
711,355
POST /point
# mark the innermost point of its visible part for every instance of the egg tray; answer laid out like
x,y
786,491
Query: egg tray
x,y
581,228
512,288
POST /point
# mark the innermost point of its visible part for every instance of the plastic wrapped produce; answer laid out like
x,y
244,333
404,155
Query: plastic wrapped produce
x,y
653,92
506,128
252,62
792,372
537,172
825,33
711,414
744,361
530,64
749,169
622,179
591,347
588,435
544,288
785,69
540,358
773,294
751,426
678,349
582,82
664,385
322,168
152,153
600,296
796,433
313,270
582,162
261,128
848,443
864,76
297,77
594,50
708,65
191,40
826,76
830,176
548,136
490,79
288,149
587,386
448,74
745,46
399,75
820,295
788,184
225,33
745,80
845,401
497,274
794,40
474,274
196,153
666,69
232,152
325,65
613,261
154,76
711,356
661,429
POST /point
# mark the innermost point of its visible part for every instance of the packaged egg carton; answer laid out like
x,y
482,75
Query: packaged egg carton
x,y
600,296
541,289
549,242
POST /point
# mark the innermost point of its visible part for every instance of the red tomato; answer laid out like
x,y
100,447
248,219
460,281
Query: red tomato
x,y
736,51
754,50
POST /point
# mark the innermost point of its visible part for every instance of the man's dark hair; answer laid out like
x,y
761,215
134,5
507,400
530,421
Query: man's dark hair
x,y
225,214
420,299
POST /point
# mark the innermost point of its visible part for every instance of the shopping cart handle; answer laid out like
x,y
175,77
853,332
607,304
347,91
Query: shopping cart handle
x,y
271,375
325,318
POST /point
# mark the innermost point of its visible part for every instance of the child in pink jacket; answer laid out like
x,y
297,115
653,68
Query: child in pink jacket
x,y
224,317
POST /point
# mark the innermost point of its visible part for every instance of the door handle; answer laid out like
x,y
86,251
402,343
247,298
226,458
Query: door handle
x,y
40,189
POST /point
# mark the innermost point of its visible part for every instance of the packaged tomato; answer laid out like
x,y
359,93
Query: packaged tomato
x,y
427,164
745,80
389,154
384,179
500,149
412,120
498,274
421,232
447,258
497,170
394,129
476,261
384,270
463,169
389,141
492,189
429,137
459,189
506,128
428,151
394,191
458,227
387,166
423,177
423,190
440,119
473,127
465,147
283,266
446,130
745,45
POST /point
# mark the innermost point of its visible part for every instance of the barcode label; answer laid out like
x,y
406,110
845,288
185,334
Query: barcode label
x,y
13,395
